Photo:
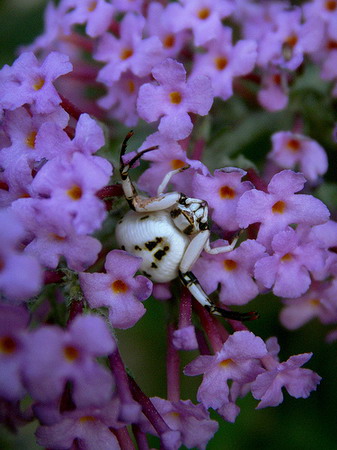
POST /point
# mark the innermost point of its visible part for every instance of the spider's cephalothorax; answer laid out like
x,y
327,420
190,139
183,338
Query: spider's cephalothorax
x,y
169,232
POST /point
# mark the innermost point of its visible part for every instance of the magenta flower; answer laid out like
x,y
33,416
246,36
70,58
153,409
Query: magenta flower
x,y
290,150
55,356
288,269
118,289
238,360
29,81
172,98
298,382
280,206
222,192
233,271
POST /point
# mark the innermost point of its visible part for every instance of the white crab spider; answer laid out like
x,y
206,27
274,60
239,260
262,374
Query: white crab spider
x,y
169,232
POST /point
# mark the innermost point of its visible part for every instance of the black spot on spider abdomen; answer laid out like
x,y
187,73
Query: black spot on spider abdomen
x,y
159,254
150,245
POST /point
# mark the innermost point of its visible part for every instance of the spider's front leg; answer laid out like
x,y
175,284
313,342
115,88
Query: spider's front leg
x,y
140,203
199,243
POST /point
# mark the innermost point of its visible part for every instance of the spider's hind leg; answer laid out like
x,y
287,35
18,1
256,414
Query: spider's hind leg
x,y
191,282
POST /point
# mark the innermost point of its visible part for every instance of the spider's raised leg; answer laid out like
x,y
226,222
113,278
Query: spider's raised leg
x,y
137,202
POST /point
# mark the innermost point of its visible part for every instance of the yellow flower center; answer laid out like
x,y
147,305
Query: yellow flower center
x,y
38,83
30,139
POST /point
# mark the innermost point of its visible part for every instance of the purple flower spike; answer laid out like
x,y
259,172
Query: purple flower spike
x,y
173,98
28,81
280,206
118,289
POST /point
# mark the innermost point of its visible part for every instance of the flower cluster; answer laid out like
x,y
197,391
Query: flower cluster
x,y
197,73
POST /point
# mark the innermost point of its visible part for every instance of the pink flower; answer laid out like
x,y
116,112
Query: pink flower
x,y
172,98
118,289
291,150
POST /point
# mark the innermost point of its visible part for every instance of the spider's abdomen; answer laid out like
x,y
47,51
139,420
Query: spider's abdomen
x,y
154,237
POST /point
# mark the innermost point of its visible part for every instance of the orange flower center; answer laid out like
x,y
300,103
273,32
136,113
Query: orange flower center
x,y
7,345
131,86
126,53
226,192
331,5
221,62
75,192
70,353
287,257
92,6
119,287
294,145
169,41
175,97
278,207
230,265
204,13
177,164
225,362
